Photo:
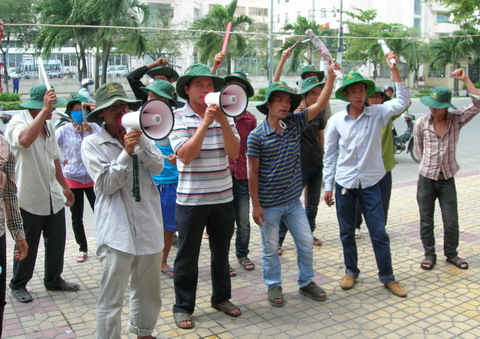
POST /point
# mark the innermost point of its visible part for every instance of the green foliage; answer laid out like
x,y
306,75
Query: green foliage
x,y
425,90
298,53
209,43
11,105
9,97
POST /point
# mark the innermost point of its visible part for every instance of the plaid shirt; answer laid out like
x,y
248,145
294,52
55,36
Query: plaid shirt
x,y
8,194
438,154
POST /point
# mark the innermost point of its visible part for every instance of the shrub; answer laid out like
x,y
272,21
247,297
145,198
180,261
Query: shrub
x,y
9,97
11,105
260,96
425,91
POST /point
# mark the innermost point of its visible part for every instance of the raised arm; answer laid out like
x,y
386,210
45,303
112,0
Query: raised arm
x,y
286,54
324,97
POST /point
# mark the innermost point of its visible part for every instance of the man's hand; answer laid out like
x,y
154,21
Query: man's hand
x,y
49,100
70,197
287,53
161,62
172,159
258,216
460,74
22,250
332,67
130,140
213,112
219,57
328,197
391,55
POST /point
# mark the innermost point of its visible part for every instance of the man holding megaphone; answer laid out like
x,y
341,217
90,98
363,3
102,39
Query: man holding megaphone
x,y
128,233
203,138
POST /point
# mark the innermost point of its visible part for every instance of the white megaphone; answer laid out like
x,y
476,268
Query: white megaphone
x,y
155,119
232,99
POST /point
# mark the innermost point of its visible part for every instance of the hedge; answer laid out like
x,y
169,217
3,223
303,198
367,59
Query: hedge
x,y
9,97
11,105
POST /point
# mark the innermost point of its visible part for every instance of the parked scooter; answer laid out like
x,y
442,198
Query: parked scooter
x,y
404,142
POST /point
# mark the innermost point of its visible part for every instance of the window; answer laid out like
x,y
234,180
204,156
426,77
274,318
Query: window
x,y
417,7
442,17
240,10
286,18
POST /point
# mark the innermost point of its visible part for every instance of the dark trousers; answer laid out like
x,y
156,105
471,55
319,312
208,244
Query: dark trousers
x,y
53,228
428,190
386,191
191,221
371,203
77,215
3,278
241,203
312,182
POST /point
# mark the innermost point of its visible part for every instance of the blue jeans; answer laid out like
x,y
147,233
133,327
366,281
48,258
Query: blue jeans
x,y
296,219
428,190
370,200
312,181
241,204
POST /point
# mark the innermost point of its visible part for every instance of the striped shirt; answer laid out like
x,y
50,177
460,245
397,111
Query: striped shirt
x,y
280,172
9,211
438,154
207,179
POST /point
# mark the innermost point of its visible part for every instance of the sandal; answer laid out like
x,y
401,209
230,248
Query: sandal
x,y
183,317
314,292
227,307
428,263
459,262
82,257
280,250
317,242
22,295
246,263
275,296
232,271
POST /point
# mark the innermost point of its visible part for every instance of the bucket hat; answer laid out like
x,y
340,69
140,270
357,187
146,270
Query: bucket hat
x,y
37,93
311,69
106,95
354,78
441,97
242,78
75,97
309,84
279,86
169,72
195,71
379,90
162,88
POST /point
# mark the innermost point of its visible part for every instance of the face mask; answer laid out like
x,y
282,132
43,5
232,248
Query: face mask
x,y
89,88
77,116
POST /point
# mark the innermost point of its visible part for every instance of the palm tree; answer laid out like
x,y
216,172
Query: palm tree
x,y
453,50
298,53
64,12
125,13
209,42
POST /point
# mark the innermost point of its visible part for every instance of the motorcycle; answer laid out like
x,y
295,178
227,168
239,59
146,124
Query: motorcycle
x,y
405,141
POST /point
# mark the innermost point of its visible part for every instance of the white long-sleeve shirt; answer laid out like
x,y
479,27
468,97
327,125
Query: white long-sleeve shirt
x,y
121,222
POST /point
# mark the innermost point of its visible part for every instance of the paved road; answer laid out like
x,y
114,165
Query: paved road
x,y
406,169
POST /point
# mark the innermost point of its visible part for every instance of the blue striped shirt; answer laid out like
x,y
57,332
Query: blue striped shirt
x,y
280,173
207,179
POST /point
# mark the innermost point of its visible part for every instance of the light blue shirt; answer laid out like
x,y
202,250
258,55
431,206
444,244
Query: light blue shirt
x,y
353,147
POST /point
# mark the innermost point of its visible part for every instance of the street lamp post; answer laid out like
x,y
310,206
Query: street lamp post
x,y
340,36
270,45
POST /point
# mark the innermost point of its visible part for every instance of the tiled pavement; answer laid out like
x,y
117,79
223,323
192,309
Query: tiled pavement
x,y
442,303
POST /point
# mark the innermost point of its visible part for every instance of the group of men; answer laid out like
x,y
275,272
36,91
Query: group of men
x,y
211,151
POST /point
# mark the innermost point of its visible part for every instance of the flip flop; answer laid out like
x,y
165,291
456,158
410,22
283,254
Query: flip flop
x,y
246,263
168,273
232,272
22,295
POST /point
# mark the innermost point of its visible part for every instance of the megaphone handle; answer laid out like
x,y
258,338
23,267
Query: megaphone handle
x,y
136,179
